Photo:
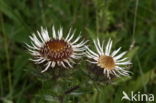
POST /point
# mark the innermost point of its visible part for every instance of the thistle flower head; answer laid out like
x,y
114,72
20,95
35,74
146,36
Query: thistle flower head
x,y
110,62
55,50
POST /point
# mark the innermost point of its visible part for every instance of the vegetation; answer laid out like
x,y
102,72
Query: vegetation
x,y
130,23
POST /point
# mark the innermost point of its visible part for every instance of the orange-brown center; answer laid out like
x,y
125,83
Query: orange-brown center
x,y
56,50
106,62
56,45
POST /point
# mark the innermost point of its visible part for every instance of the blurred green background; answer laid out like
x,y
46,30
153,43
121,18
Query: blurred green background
x,y
130,23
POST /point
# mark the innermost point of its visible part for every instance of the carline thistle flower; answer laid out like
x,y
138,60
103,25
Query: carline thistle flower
x,y
111,63
55,50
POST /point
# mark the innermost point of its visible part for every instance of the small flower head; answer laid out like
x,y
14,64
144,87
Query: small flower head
x,y
110,62
55,50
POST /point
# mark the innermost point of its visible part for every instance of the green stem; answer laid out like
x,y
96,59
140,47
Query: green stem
x,y
97,17
141,73
42,12
1,83
6,48
135,18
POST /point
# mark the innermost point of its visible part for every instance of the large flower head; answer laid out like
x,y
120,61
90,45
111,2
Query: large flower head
x,y
112,63
55,50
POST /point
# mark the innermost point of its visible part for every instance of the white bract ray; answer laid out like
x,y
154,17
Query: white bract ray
x,y
110,62
56,50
